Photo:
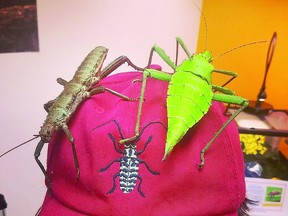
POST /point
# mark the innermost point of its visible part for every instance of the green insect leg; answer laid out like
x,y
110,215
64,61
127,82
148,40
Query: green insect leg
x,y
154,74
147,73
225,98
184,47
162,54
224,91
229,73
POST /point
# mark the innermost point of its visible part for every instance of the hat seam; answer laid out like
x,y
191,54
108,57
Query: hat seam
x,y
233,174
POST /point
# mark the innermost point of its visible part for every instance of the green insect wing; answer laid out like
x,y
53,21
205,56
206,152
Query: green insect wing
x,y
189,97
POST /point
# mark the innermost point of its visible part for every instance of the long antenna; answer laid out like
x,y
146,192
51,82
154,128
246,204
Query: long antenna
x,y
35,137
205,23
238,47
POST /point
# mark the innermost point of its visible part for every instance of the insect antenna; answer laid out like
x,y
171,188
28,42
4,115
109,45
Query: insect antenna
x,y
206,36
151,123
179,40
205,23
35,137
238,47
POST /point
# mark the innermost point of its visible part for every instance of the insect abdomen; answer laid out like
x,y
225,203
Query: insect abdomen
x,y
90,67
128,174
189,99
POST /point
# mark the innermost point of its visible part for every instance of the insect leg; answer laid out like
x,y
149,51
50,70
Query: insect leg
x,y
162,54
150,138
114,183
165,57
231,99
109,165
71,140
36,156
102,89
49,104
139,186
229,73
224,91
62,81
147,73
148,168
184,47
145,146
117,63
154,74
114,143
108,70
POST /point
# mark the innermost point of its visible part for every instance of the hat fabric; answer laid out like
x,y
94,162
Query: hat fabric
x,y
174,186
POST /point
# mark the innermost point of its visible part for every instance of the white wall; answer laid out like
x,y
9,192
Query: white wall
x,y
68,30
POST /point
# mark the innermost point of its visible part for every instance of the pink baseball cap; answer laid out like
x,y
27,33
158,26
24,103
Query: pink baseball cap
x,y
111,184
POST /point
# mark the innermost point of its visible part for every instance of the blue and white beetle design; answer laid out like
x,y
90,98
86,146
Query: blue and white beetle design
x,y
129,163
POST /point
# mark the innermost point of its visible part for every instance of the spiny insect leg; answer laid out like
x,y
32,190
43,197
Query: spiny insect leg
x,y
137,126
71,140
117,63
102,89
231,99
36,156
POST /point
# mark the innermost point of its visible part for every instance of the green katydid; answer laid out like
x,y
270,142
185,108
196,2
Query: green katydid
x,y
190,94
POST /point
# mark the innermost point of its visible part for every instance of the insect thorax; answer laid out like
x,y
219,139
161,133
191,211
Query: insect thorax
x,y
130,151
199,65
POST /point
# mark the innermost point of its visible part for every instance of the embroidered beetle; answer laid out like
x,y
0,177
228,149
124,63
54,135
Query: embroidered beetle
x,y
129,163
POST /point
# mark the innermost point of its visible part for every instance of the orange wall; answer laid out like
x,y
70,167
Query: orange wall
x,y
236,22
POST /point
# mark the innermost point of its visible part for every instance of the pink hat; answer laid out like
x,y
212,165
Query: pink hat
x,y
150,186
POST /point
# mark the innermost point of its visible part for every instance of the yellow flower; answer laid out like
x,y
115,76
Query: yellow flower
x,y
253,144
